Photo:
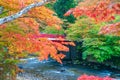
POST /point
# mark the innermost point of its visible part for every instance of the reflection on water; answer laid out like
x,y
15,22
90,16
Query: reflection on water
x,y
51,70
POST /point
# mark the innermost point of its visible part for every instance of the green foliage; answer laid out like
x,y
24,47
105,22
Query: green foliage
x,y
8,61
12,27
3,14
95,46
62,6
53,30
7,65
83,28
101,47
50,5
117,19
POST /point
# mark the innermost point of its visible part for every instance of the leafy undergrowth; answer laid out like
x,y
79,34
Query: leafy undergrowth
x,y
87,77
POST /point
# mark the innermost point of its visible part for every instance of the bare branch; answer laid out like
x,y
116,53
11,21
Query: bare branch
x,y
23,11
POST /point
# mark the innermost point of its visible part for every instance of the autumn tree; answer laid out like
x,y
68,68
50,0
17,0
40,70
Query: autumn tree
x,y
100,11
97,26
20,35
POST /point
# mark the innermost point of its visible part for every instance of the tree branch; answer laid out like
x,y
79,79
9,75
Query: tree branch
x,y
23,11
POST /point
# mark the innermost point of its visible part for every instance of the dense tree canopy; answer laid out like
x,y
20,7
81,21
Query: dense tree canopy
x,y
62,6
100,11
20,35
97,25
20,31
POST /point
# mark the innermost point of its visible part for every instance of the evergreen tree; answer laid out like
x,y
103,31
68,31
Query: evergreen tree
x,y
62,6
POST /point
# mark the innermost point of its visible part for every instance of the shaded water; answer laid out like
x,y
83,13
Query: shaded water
x,y
51,70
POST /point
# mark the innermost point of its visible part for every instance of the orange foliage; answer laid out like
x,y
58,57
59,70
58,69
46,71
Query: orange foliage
x,y
18,43
111,29
29,43
39,13
102,11
44,14
28,24
16,5
91,77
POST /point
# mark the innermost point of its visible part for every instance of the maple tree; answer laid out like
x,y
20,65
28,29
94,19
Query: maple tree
x,y
100,11
98,29
95,46
30,27
20,35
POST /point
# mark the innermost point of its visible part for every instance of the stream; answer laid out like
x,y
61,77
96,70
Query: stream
x,y
52,70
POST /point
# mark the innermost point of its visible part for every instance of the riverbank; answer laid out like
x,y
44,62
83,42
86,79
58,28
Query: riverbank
x,y
51,70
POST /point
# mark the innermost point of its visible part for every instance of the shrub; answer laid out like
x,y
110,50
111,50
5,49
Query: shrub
x,y
98,47
86,77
